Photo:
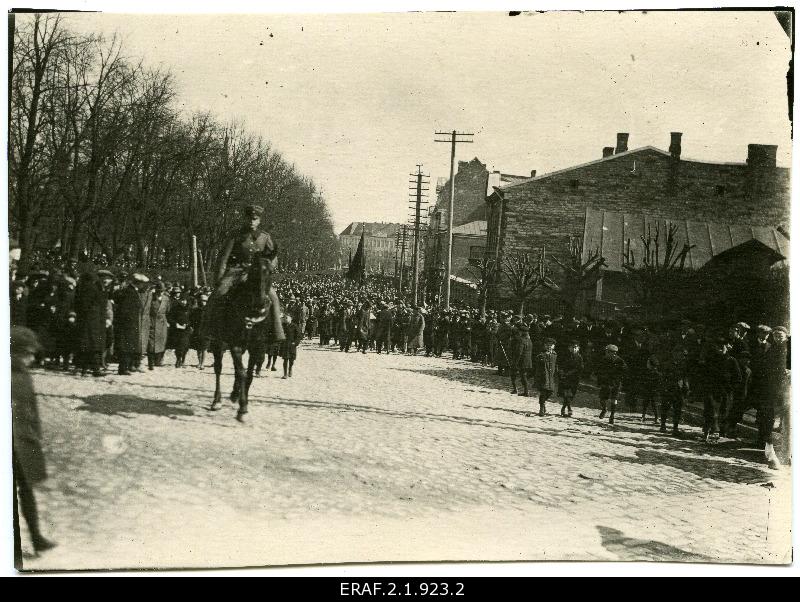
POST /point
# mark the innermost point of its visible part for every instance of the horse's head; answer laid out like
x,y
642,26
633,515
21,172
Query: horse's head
x,y
256,289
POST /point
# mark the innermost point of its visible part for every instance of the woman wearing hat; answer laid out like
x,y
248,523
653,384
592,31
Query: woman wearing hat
x,y
198,341
27,454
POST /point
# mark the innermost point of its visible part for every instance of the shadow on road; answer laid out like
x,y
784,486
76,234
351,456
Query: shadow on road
x,y
349,407
119,405
703,466
468,376
629,548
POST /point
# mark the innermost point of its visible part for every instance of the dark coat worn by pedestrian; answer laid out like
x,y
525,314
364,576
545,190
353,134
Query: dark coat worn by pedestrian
x,y
570,368
181,330
546,372
289,345
383,328
132,321
521,351
416,330
26,425
91,305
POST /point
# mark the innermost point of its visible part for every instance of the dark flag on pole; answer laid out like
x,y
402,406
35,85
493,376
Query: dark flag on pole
x,y
358,263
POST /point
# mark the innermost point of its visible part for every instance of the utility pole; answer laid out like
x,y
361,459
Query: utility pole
x,y
194,261
419,192
402,260
455,137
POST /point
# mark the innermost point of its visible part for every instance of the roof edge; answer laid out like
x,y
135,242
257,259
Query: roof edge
x,y
581,165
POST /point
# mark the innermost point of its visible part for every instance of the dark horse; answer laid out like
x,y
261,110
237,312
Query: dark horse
x,y
246,306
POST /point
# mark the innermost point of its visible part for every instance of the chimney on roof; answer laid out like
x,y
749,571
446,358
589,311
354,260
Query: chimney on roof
x,y
608,151
761,155
675,145
622,143
533,173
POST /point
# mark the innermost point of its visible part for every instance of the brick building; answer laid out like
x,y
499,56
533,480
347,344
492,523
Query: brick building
x,y
550,209
379,244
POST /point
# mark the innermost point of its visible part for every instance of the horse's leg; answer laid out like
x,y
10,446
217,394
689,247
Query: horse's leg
x,y
253,360
217,353
241,375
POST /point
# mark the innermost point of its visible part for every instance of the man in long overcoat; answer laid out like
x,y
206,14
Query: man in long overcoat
x,y
416,331
131,328
91,301
520,348
383,328
158,327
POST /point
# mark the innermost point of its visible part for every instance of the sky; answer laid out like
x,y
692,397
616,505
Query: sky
x,y
354,100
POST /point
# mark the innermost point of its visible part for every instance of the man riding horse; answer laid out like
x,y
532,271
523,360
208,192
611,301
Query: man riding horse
x,y
235,260
243,298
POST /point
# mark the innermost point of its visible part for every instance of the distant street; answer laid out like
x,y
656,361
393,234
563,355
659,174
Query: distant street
x,y
374,458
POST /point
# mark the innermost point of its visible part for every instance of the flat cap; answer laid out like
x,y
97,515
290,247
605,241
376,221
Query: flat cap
x,y
254,210
24,340
612,348
139,277
105,275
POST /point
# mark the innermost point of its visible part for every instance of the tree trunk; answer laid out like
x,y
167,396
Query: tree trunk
x,y
26,241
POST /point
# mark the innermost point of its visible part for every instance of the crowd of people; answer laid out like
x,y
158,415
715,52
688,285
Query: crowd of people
x,y
89,318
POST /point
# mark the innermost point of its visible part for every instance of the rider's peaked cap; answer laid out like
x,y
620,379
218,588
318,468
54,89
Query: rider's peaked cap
x,y
254,211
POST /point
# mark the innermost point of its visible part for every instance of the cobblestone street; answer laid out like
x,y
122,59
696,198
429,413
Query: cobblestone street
x,y
371,457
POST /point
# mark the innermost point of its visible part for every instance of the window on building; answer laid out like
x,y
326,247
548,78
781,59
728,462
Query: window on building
x,y
720,190
573,184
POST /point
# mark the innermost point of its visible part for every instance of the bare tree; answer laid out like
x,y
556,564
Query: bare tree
x,y
485,272
579,275
35,48
526,275
101,159
658,275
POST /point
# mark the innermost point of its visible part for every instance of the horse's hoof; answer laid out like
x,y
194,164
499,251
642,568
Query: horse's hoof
x,y
241,417
214,406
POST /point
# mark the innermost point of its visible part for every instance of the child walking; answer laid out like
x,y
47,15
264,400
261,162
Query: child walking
x,y
289,345
569,371
546,371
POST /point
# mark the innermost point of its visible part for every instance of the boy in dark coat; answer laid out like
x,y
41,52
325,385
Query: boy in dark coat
x,y
520,347
546,373
723,375
674,383
569,371
611,370
27,455
289,346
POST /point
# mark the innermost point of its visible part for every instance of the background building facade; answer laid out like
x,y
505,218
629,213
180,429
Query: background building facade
x,y
379,244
